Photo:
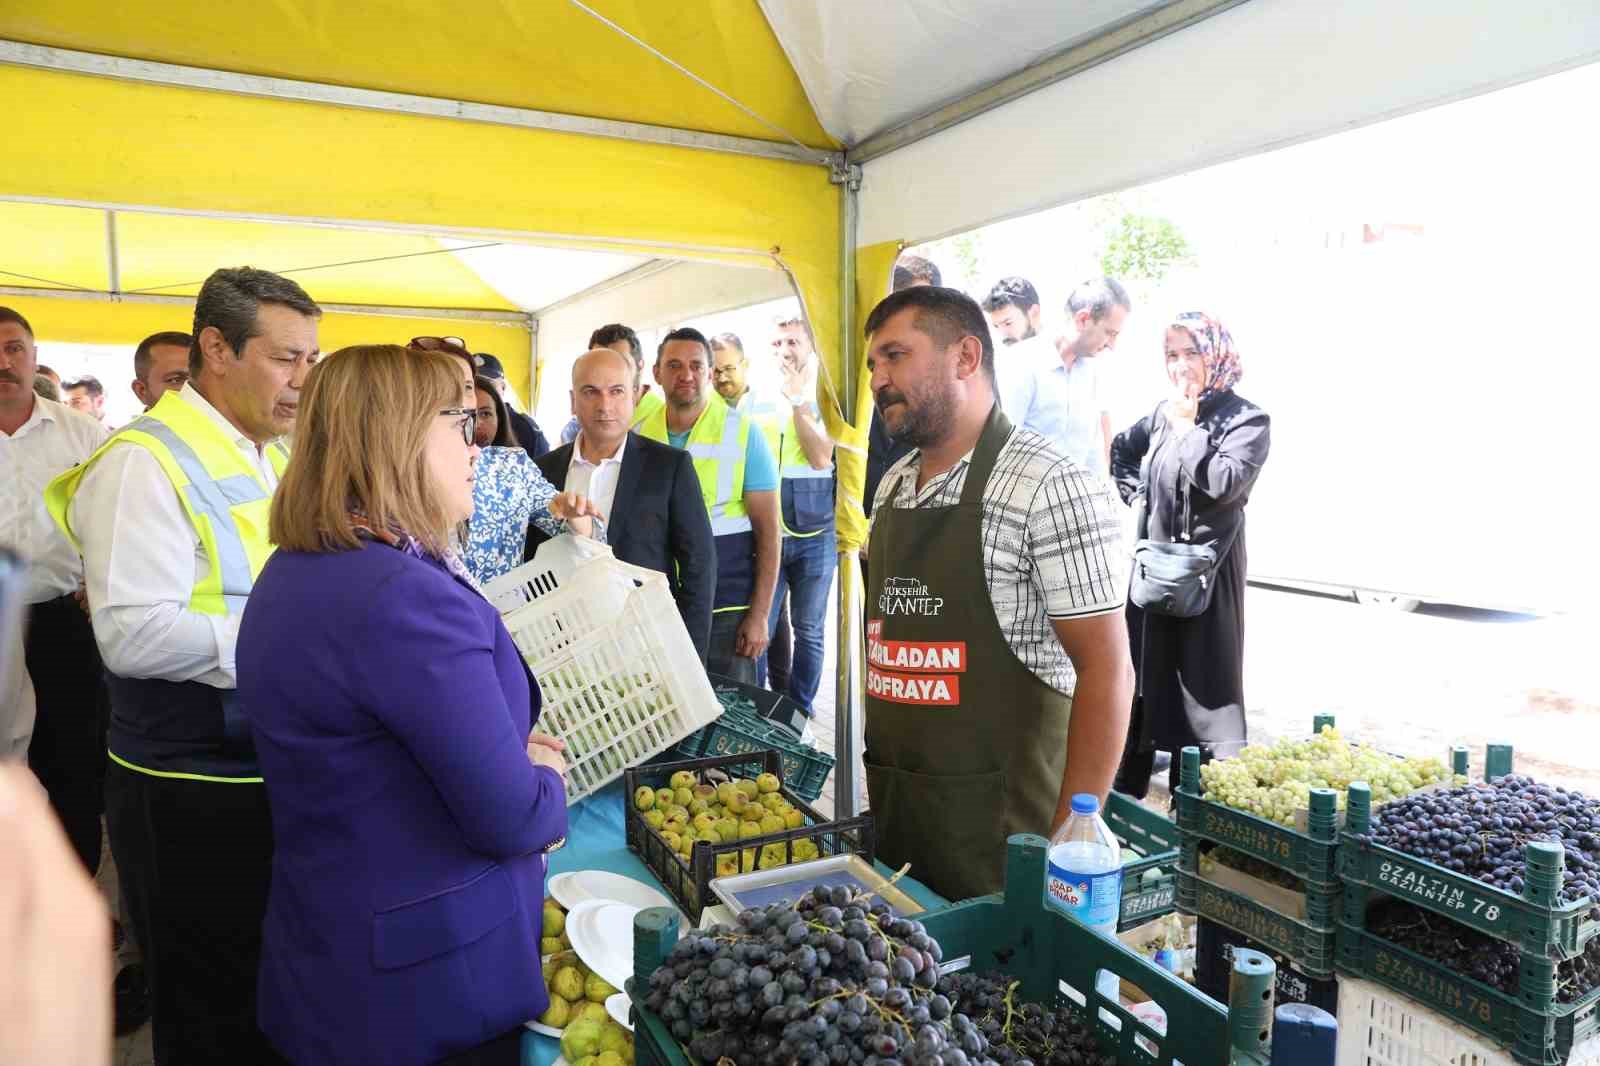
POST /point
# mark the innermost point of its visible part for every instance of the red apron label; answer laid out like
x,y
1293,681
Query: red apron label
x,y
917,656
934,690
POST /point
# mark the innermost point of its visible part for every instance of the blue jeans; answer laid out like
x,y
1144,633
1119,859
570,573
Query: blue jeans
x,y
805,574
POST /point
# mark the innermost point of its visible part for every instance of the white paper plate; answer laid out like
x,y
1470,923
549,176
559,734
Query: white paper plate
x,y
617,1007
571,889
543,1030
602,934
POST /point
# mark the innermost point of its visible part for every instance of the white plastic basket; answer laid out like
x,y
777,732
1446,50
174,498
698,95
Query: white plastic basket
x,y
619,676
1382,1028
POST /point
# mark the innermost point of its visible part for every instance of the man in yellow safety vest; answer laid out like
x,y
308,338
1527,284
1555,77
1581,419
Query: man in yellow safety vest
x,y
739,482
171,518
794,431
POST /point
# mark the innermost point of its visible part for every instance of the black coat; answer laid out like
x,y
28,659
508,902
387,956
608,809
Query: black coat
x,y
528,434
1191,670
658,521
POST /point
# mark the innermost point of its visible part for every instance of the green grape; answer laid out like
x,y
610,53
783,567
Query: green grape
x,y
1275,780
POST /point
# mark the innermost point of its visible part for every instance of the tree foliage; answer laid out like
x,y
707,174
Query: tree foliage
x,y
1143,247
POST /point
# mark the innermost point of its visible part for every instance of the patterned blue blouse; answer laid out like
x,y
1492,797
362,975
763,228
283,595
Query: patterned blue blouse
x,y
508,493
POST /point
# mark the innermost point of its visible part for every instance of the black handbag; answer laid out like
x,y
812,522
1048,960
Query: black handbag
x,y
1173,578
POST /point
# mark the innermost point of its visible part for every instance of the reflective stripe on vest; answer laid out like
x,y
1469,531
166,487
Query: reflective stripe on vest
x,y
717,443
224,500
777,425
213,498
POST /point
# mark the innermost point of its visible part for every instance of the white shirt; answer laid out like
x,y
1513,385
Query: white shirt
x,y
53,440
143,557
598,481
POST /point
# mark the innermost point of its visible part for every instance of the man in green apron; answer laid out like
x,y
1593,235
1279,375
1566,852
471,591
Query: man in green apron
x,y
998,673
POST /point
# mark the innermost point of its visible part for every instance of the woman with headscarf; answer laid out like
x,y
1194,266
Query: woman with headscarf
x,y
1193,462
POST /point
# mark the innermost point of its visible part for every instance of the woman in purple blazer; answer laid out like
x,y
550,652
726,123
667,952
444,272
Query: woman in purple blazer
x,y
411,808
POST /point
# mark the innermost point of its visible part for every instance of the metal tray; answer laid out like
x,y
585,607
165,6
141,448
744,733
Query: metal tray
x,y
761,887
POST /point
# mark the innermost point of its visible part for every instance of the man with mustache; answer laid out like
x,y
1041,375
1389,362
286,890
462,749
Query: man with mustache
x,y
171,519
56,720
998,672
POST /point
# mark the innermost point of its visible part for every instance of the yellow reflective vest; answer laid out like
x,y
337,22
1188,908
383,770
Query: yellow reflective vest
x,y
717,444
777,425
225,498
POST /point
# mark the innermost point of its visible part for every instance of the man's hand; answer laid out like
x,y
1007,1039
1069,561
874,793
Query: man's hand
x,y
56,967
81,594
577,511
753,635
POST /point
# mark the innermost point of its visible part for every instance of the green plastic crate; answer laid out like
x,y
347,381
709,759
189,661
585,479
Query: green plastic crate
x,y
1533,920
1055,957
1145,897
1537,1031
805,770
1311,856
1308,944
688,881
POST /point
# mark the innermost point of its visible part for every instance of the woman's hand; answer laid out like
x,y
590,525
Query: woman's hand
x,y
545,750
576,510
1184,406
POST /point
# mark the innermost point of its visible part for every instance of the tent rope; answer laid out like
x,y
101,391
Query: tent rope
x,y
47,281
697,79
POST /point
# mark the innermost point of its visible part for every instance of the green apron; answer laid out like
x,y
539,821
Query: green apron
x,y
964,744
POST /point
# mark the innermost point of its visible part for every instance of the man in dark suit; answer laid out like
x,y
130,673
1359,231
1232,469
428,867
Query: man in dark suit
x,y
655,515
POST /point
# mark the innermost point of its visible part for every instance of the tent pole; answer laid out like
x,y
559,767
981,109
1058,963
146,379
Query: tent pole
x,y
113,268
848,703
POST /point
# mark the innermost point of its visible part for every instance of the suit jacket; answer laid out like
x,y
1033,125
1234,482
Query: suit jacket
x,y
658,520
391,713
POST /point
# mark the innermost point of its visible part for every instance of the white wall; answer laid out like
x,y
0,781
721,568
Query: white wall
x,y
1262,75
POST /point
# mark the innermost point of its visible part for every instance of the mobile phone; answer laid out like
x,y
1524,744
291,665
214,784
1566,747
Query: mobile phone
x,y
12,574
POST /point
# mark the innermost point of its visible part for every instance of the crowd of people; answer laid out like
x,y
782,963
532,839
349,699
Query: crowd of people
x,y
185,575
249,606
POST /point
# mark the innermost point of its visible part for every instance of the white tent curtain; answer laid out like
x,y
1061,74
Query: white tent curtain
x,y
1259,76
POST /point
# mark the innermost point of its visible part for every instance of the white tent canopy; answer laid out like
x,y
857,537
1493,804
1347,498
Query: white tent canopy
x,y
1258,76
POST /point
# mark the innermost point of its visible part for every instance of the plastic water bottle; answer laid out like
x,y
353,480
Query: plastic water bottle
x,y
1084,875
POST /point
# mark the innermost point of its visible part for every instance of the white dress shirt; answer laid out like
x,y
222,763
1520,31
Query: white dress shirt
x,y
598,481
54,439
143,558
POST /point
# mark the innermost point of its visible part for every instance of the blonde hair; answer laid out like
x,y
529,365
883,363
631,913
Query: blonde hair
x,y
358,443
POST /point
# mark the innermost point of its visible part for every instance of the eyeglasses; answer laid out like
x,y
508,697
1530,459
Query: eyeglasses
x,y
469,423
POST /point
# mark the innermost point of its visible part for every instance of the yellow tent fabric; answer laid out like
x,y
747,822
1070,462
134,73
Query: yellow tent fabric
x,y
542,54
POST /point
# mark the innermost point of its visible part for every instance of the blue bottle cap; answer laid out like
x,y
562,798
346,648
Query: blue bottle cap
x,y
1085,803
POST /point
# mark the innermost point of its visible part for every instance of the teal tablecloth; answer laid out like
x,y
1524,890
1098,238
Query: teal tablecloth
x,y
596,841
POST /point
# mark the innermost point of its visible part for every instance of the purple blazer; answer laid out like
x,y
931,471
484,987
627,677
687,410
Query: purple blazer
x,y
391,714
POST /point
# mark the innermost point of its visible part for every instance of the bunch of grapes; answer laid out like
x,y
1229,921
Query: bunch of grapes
x,y
1275,780
1476,955
1481,830
836,978
1022,1034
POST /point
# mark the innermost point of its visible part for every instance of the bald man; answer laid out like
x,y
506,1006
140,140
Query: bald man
x,y
657,517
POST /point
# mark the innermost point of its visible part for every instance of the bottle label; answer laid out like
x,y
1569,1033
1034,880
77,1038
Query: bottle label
x,y
1094,899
